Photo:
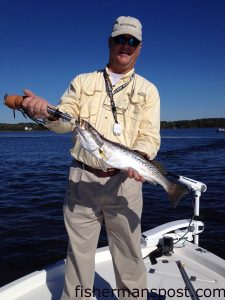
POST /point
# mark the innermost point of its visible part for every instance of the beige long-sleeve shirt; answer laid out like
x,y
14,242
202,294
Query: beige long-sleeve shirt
x,y
138,112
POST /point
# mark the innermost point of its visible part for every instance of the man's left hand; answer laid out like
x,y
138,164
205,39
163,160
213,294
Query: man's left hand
x,y
134,174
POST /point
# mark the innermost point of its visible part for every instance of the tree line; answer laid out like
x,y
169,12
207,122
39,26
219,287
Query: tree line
x,y
20,127
198,123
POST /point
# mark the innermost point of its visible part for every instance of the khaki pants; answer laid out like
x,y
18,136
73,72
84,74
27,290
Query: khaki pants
x,y
89,199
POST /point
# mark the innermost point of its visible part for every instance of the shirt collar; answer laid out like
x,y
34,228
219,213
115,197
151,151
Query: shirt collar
x,y
126,77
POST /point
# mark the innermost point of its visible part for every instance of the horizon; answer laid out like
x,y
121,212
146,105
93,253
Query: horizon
x,y
46,43
29,121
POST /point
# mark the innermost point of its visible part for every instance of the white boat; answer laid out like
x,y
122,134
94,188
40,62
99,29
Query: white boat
x,y
220,130
177,267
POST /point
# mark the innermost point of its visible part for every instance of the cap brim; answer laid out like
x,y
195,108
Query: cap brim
x,y
125,31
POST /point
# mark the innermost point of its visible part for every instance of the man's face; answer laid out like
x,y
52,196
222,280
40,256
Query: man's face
x,y
124,51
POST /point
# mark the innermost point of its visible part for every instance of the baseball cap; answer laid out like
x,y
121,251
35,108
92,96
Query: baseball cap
x,y
127,25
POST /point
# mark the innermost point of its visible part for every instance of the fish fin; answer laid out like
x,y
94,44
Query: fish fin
x,y
102,154
159,166
176,192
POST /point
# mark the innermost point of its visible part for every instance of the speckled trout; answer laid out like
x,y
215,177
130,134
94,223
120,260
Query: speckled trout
x,y
114,155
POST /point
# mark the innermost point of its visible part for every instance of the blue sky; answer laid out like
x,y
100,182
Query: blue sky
x,y
46,43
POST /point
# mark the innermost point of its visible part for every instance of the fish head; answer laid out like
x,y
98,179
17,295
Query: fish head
x,y
91,140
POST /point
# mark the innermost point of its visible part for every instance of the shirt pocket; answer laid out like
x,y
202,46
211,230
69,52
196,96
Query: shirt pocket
x,y
89,105
121,102
135,111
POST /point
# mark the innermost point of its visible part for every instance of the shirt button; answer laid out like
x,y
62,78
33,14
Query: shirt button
x,y
106,117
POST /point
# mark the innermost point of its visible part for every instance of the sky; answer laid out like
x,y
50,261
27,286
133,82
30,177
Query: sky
x,y
44,44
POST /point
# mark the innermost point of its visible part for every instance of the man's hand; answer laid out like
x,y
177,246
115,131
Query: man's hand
x,y
134,174
35,106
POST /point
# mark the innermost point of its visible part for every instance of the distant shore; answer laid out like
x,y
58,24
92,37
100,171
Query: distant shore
x,y
21,127
198,123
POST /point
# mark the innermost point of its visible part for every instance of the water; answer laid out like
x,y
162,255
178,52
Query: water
x,y
34,167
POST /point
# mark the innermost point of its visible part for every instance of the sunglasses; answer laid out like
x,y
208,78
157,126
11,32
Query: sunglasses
x,y
122,39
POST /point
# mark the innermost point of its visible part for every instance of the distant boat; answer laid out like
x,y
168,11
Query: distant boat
x,y
28,128
220,130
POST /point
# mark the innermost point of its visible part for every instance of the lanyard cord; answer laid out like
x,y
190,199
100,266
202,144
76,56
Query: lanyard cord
x,y
111,92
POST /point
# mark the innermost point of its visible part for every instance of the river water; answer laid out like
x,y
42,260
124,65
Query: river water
x,y
34,168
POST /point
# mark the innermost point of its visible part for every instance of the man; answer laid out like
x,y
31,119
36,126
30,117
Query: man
x,y
124,107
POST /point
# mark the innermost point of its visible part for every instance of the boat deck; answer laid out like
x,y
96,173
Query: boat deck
x,y
206,271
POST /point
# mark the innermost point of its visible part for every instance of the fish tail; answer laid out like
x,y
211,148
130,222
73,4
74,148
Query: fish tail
x,y
176,192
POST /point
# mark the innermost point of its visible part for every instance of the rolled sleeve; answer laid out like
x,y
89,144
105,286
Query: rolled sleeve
x,y
69,104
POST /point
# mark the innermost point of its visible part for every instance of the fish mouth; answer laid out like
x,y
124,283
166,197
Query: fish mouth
x,y
83,125
84,128
81,128
90,141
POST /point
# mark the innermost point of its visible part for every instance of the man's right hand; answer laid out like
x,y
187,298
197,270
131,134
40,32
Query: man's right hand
x,y
34,105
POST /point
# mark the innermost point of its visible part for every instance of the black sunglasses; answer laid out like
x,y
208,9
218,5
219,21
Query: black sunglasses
x,y
122,39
